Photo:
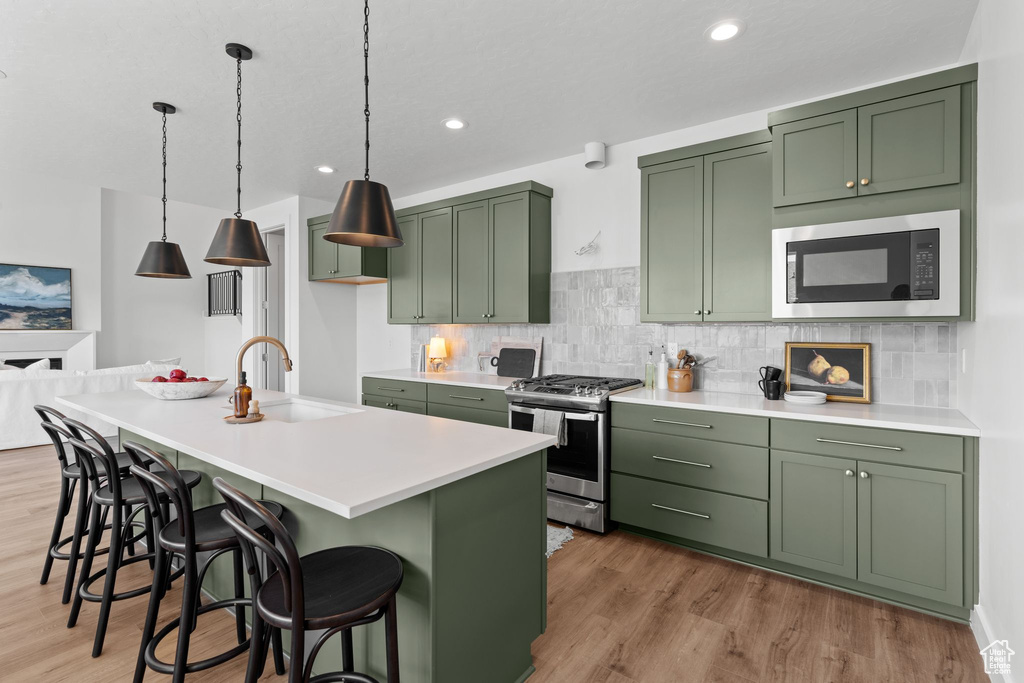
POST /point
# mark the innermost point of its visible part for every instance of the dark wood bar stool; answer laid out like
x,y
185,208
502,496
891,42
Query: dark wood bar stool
x,y
192,532
335,589
70,476
114,495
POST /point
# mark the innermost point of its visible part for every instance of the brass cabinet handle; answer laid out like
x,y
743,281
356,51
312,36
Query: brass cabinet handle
x,y
850,184
685,462
863,475
682,512
864,181
682,424
862,445
849,473
388,389
465,398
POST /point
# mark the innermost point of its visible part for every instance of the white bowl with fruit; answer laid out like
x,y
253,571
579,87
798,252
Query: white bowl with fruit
x,y
179,386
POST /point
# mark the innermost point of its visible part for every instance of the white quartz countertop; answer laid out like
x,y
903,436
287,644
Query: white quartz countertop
x,y
349,464
881,415
479,380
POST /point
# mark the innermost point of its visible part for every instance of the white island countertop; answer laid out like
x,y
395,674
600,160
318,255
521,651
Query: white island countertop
x,y
479,380
349,464
880,415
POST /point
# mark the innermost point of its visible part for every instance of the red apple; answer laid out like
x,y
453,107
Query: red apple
x,y
159,378
202,379
176,379
178,374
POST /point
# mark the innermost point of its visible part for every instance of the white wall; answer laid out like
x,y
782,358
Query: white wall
x,y
153,318
379,346
46,221
988,399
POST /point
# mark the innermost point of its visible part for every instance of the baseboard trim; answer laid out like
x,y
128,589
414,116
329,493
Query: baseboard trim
x,y
983,635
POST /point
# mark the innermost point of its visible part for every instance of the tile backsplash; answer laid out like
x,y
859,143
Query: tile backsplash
x,y
595,329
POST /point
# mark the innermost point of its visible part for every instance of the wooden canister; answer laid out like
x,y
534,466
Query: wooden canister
x,y
680,380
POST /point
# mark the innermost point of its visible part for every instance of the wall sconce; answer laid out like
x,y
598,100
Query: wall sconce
x,y
437,353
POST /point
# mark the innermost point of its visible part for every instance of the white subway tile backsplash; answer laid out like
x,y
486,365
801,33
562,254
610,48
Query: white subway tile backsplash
x,y
595,329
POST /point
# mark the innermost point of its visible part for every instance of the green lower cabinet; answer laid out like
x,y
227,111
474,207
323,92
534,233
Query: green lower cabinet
x,y
910,531
467,414
814,512
402,405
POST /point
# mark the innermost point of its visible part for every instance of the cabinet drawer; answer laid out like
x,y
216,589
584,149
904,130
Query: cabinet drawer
x,y
467,414
469,397
918,449
744,429
719,519
400,404
726,467
394,388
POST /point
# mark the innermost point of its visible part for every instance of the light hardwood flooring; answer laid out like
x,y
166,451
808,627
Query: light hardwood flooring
x,y
621,609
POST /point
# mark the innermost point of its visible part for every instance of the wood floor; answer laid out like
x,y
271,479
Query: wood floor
x,y
621,609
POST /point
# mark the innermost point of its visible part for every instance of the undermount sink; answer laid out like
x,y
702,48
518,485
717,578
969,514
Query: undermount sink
x,y
301,410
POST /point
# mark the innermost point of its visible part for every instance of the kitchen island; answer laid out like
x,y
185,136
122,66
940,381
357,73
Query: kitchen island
x,y
462,504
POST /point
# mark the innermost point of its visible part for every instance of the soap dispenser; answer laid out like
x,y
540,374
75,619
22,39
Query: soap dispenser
x,y
661,381
243,394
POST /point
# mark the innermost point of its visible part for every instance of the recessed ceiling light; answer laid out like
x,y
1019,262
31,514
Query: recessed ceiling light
x,y
325,169
454,124
725,30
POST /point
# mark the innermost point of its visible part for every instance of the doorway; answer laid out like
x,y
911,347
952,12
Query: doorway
x,y
270,312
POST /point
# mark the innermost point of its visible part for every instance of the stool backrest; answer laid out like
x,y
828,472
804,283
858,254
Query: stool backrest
x,y
50,416
168,485
275,543
95,455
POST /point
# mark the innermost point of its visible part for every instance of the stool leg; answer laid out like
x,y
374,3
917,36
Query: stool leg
x,y
126,511
257,650
347,665
63,504
189,605
296,670
95,531
236,556
156,594
391,627
278,651
81,520
109,580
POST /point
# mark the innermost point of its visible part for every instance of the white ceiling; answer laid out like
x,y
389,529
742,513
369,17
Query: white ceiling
x,y
535,79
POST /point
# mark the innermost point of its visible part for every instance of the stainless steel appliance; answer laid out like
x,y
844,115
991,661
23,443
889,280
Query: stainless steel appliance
x,y
881,267
578,471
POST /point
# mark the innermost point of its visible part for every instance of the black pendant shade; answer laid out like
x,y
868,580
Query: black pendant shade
x,y
163,259
238,243
364,217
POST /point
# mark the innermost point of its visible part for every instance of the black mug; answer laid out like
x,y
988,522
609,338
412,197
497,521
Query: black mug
x,y
773,390
769,374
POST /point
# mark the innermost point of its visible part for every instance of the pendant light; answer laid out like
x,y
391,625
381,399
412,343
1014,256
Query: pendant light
x,y
238,241
163,258
364,216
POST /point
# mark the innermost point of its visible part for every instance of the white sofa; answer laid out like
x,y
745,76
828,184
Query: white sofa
x,y
22,389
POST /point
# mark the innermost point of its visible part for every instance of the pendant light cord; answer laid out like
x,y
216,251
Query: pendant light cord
x,y
238,117
164,198
366,81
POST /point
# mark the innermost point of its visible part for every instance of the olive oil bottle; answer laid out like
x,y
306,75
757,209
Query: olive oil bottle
x,y
243,394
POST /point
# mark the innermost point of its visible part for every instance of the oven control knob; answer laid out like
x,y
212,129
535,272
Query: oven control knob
x,y
577,390
598,392
588,391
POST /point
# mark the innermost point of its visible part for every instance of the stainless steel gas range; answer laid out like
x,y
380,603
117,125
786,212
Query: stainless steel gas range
x,y
578,470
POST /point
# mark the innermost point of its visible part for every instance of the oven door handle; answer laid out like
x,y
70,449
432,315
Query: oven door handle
x,y
579,417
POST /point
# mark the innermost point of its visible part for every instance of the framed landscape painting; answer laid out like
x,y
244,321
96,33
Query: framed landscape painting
x,y
35,298
841,371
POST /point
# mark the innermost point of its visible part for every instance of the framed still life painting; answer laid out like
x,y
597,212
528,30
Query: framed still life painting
x,y
34,298
841,371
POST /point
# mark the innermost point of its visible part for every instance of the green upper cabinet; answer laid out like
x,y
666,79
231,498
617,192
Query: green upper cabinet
x,y
909,143
897,144
497,268
706,232
420,271
343,263
816,159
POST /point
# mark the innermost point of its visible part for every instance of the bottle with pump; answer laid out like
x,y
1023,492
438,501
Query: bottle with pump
x,y
243,394
649,369
661,380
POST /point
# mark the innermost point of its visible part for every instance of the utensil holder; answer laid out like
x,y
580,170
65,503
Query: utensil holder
x,y
680,380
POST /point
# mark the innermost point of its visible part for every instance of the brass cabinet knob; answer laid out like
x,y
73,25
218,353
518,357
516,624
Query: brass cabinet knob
x,y
850,184
483,315
864,181
697,312
707,312
863,475
849,473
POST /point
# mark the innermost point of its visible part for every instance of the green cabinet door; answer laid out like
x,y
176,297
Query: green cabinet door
x,y
910,531
435,237
909,142
323,255
375,402
510,258
815,159
404,274
813,519
471,296
671,237
737,234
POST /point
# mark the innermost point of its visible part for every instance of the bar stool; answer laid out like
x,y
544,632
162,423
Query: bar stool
x,y
335,589
116,494
193,532
70,476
